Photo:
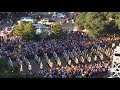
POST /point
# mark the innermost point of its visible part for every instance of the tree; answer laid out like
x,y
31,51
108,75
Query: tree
x,y
26,31
57,28
57,31
29,31
18,31
97,23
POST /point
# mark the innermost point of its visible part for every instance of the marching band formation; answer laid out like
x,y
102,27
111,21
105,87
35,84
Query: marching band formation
x,y
77,48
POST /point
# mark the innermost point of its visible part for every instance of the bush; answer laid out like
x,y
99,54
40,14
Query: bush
x,y
99,23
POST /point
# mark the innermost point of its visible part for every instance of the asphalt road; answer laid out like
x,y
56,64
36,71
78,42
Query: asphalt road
x,y
68,26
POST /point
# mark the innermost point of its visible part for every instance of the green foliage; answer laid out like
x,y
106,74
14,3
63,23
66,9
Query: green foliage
x,y
6,70
98,22
43,35
57,31
18,31
57,28
27,31
57,35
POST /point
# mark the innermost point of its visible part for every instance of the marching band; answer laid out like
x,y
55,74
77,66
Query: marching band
x,y
74,56
78,57
50,64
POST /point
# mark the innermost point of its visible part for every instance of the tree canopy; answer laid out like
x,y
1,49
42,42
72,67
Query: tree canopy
x,y
26,31
57,28
97,23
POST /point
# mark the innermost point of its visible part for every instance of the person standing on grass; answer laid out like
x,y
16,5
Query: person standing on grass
x,y
30,69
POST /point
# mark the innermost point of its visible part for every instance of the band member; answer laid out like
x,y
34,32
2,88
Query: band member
x,y
95,59
58,61
11,64
82,59
38,61
18,61
41,65
64,55
86,56
45,54
71,55
26,62
89,59
50,64
29,68
113,45
21,68
101,56
54,54
36,57
69,62
75,54
111,57
109,54
106,52
76,61
24,57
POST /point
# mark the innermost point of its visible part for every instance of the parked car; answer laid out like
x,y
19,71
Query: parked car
x,y
50,22
58,15
43,21
27,19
